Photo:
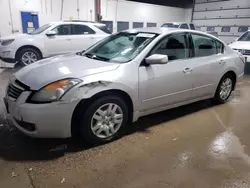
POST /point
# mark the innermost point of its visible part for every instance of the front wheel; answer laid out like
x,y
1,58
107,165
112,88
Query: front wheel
x,y
28,56
104,120
224,89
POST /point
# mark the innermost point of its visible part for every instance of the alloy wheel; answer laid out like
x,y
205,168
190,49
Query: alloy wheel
x,y
226,88
107,120
29,58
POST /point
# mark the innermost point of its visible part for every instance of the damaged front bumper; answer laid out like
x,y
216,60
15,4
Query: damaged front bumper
x,y
51,120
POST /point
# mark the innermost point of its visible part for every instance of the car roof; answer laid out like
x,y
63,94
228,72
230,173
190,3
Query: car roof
x,y
78,22
165,30
162,30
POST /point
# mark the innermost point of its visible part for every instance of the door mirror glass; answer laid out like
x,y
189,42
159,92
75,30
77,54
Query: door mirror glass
x,y
51,33
157,59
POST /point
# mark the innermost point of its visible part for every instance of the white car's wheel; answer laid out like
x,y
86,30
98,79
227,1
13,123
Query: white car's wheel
x,y
28,56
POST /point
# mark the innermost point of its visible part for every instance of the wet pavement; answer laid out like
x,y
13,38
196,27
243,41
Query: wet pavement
x,y
195,146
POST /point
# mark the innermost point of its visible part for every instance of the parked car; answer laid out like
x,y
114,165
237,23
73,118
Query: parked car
x,y
125,76
242,45
184,25
51,39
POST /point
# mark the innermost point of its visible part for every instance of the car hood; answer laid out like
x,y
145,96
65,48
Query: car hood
x,y
44,72
244,45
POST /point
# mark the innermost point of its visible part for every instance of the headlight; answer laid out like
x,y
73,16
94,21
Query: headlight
x,y
7,42
54,91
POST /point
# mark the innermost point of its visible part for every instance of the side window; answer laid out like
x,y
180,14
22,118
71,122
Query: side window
x,y
184,26
204,46
81,30
192,26
220,47
63,30
242,29
175,46
210,28
225,29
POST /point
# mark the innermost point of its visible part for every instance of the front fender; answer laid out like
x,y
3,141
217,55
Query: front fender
x,y
88,90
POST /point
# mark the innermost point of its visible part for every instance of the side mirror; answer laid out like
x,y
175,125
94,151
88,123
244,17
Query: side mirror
x,y
51,33
157,59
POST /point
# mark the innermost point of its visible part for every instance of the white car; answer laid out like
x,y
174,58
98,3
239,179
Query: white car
x,y
242,45
51,39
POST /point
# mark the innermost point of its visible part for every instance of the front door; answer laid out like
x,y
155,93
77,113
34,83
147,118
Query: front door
x,y
167,84
60,43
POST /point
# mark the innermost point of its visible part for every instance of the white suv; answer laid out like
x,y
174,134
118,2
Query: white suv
x,y
51,39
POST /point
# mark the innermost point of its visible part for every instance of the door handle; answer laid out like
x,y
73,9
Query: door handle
x,y
68,39
222,62
187,70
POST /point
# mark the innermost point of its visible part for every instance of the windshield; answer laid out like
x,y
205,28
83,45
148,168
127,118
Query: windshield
x,y
245,37
171,25
40,29
120,48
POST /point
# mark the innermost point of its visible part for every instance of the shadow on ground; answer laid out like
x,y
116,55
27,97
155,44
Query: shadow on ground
x,y
14,146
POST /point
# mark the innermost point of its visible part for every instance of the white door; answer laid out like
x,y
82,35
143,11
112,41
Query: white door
x,y
207,65
60,43
83,37
167,84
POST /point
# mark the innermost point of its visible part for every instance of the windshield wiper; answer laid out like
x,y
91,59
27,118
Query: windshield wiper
x,y
89,55
100,58
93,56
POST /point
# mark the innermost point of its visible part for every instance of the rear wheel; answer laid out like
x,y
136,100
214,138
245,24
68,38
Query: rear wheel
x,y
28,56
224,89
104,120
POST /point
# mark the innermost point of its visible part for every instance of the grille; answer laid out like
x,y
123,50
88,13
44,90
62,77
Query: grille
x,y
14,90
243,52
246,52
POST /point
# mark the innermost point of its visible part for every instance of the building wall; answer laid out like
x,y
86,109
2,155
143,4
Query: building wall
x,y
48,11
111,10
127,11
219,13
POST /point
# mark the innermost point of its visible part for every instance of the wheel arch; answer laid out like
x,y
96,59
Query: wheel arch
x,y
86,102
234,76
28,46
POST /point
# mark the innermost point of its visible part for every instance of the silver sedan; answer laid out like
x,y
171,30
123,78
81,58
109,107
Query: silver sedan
x,y
127,75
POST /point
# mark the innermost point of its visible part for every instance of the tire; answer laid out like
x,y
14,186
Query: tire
x,y
86,122
28,51
219,98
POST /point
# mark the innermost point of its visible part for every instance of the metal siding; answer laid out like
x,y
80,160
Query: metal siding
x,y
233,13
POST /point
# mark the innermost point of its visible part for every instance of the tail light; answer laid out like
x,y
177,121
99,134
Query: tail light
x,y
243,59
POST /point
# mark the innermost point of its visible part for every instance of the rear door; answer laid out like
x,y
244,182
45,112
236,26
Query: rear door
x,y
207,64
82,37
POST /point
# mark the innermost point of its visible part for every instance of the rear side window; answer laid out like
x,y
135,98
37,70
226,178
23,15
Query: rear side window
x,y
242,29
103,28
204,46
220,47
63,30
81,30
184,26
210,28
192,26
225,29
